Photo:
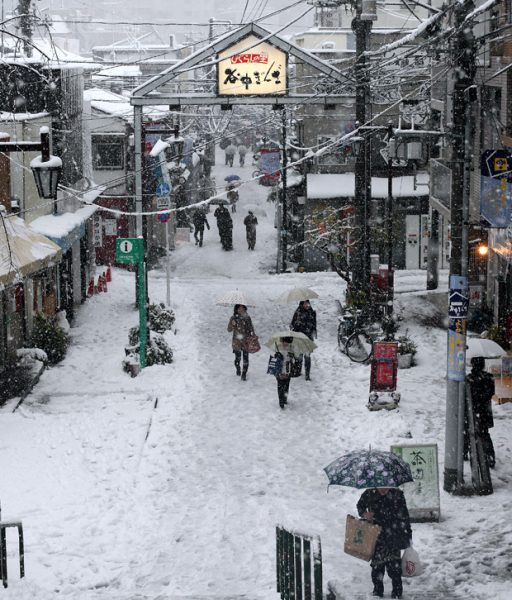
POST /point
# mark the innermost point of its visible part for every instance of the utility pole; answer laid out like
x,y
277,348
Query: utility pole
x,y
361,25
463,54
284,181
26,25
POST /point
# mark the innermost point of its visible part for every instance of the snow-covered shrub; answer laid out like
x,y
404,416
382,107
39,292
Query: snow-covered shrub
x,y
49,336
406,345
158,351
161,317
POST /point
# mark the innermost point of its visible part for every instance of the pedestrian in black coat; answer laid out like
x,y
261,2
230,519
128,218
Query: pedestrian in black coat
x,y
387,507
199,220
481,385
250,223
225,225
304,320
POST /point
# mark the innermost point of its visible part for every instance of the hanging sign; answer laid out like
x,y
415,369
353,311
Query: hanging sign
x,y
458,306
496,187
252,68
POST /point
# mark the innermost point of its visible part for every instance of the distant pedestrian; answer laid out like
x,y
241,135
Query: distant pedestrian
x,y
481,385
242,151
232,196
284,376
230,152
387,508
304,320
250,223
241,326
199,220
225,226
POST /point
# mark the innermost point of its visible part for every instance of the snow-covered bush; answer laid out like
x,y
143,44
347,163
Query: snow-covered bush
x,y
158,351
161,317
49,336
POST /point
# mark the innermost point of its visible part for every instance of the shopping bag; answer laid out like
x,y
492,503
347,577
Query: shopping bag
x,y
252,344
411,564
275,364
360,538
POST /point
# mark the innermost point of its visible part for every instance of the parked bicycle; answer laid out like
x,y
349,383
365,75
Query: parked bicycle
x,y
357,332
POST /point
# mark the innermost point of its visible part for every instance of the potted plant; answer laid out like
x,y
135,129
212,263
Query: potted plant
x,y
406,351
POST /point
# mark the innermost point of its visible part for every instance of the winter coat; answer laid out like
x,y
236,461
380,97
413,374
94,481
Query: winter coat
x,y
288,358
482,389
250,222
304,321
242,150
230,150
390,512
223,217
241,326
199,220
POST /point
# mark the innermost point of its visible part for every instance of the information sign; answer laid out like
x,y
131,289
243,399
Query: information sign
x,y
457,323
496,187
163,189
422,494
129,250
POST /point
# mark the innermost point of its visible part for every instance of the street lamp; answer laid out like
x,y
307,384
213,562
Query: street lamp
x,y
46,168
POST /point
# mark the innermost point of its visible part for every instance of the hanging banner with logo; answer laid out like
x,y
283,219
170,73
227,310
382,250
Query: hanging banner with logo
x,y
252,68
457,323
496,187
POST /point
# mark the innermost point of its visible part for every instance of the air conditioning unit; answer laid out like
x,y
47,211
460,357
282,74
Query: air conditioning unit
x,y
414,151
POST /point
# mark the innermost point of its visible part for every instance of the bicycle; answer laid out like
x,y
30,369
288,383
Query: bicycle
x,y
356,336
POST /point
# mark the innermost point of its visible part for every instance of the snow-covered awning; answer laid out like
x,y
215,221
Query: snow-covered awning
x,y
324,186
64,229
23,251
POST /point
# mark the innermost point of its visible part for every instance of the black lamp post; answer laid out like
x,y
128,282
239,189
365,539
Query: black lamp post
x,y
47,169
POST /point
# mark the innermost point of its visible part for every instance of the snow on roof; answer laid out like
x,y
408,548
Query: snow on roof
x,y
9,117
324,186
59,226
45,49
120,71
119,106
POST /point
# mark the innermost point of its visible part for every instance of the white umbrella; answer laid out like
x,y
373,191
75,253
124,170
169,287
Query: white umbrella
x,y
234,297
297,294
301,343
484,347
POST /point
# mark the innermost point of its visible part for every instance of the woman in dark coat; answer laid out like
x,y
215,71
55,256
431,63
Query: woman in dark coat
x,y
387,507
241,326
304,320
225,225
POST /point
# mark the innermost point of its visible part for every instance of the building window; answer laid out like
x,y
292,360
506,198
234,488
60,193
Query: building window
x,y
108,152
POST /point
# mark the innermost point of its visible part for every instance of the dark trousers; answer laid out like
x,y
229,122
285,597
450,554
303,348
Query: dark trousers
x,y
198,235
283,385
307,364
238,355
394,569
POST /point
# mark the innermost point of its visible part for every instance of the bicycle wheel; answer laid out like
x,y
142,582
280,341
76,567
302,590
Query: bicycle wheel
x,y
256,174
341,337
357,348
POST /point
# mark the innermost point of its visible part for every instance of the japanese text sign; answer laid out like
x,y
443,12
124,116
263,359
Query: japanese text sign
x,y
421,494
252,68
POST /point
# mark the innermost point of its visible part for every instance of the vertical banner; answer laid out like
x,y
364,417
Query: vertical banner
x,y
457,324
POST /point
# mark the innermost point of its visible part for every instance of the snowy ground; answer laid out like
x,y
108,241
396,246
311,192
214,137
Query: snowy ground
x,y
171,484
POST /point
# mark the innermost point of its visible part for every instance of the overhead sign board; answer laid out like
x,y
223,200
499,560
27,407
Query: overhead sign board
x,y
129,250
496,187
422,494
251,67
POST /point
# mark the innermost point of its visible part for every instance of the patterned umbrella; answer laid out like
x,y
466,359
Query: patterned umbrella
x,y
369,469
234,297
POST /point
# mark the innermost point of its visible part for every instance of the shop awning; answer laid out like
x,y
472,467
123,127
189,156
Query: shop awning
x,y
64,229
23,251
328,185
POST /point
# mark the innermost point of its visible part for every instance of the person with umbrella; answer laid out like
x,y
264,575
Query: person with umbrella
x,y
387,507
288,345
250,223
383,504
240,324
232,195
304,320
225,226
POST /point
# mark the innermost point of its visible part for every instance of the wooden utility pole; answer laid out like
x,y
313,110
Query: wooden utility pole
x,y
24,11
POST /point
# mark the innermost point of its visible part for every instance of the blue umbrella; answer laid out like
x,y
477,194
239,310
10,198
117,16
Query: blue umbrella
x,y
232,178
369,469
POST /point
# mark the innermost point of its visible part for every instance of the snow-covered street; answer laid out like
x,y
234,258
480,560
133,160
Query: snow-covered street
x,y
171,484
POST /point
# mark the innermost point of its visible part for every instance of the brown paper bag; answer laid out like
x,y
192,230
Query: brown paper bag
x,y
360,538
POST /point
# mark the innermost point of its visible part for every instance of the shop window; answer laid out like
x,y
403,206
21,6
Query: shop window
x,y
108,152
